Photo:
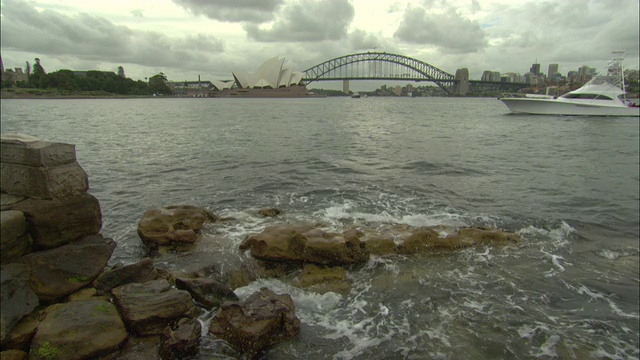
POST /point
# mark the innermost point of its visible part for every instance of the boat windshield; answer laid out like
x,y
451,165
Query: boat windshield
x,y
586,96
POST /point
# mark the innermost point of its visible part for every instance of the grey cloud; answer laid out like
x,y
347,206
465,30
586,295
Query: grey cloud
x,y
251,11
361,40
95,38
449,31
307,20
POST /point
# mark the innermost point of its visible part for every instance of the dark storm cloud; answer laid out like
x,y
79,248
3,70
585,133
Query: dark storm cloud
x,y
449,31
251,11
95,38
307,21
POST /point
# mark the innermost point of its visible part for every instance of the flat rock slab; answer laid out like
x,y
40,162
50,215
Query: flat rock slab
x,y
78,330
31,151
139,272
307,244
59,272
148,308
263,319
16,298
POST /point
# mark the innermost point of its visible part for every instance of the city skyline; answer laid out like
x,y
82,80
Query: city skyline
x,y
188,38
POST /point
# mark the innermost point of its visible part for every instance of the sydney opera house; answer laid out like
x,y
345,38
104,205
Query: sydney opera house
x,y
271,79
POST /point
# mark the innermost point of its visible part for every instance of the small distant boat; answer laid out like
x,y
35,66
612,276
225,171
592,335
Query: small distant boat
x,y
603,95
355,96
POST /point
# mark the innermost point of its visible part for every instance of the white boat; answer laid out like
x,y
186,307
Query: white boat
x,y
603,95
356,95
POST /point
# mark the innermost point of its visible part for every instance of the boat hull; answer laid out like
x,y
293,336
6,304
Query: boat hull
x,y
556,107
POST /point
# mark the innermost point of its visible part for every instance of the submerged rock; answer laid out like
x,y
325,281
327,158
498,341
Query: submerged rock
x,y
269,212
208,292
78,330
307,244
262,320
171,225
429,240
322,279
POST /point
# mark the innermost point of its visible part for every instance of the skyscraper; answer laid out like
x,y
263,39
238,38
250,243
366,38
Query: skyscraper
x,y
553,69
535,68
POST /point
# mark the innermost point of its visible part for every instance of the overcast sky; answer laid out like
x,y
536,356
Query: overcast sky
x,y
212,38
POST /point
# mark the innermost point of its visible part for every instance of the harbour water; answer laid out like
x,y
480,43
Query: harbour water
x,y
569,186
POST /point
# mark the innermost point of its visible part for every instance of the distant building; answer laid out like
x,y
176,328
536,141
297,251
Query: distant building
x,y
535,69
553,69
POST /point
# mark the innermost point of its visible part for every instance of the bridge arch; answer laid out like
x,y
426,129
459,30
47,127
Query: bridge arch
x,y
338,69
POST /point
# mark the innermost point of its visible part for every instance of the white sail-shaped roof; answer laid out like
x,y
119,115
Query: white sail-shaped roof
x,y
285,77
269,75
296,78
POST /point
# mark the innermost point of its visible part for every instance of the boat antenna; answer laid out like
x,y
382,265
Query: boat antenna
x,y
616,68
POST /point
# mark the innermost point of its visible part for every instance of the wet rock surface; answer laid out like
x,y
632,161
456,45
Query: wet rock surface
x,y
307,244
172,225
263,319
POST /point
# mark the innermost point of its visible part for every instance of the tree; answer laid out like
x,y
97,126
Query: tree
x,y
38,75
158,84
28,71
121,72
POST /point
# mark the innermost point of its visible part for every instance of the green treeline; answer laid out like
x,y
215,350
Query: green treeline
x,y
87,81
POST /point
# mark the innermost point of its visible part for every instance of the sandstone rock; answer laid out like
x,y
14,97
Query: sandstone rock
x,y
148,308
322,279
173,225
14,239
29,150
208,292
59,272
262,320
54,223
380,245
48,182
139,272
13,355
16,298
8,200
181,340
269,212
83,294
78,330
138,348
488,236
23,333
428,240
307,244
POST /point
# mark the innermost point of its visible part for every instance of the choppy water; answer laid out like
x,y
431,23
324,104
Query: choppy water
x,y
569,186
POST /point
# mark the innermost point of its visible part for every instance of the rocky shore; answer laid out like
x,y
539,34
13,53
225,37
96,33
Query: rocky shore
x,y
60,300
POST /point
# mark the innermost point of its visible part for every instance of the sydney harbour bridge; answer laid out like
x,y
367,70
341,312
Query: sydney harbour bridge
x,y
385,66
